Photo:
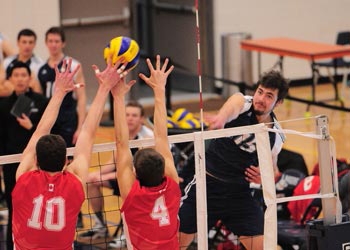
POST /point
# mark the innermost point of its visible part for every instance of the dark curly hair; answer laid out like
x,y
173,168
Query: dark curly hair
x,y
274,80
51,151
149,167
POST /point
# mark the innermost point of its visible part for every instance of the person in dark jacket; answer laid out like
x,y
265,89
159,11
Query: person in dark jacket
x,y
16,127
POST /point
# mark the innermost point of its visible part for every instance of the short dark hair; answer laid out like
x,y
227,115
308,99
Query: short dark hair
x,y
149,167
19,64
274,80
26,32
51,151
56,30
136,104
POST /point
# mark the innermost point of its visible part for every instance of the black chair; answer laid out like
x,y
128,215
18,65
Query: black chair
x,y
343,38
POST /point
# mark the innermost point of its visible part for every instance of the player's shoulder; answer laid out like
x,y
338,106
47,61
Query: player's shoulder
x,y
36,60
9,60
44,66
75,62
145,132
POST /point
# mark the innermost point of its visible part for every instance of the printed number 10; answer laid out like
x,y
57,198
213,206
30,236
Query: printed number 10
x,y
55,204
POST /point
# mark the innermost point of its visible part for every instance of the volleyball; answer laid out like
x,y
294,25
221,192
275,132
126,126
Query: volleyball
x,y
171,123
123,46
181,114
190,123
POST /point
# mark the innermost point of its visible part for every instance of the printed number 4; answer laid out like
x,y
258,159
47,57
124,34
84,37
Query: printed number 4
x,y
160,212
55,204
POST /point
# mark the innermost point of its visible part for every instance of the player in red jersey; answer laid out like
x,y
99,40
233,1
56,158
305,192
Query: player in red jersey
x,y
151,194
48,194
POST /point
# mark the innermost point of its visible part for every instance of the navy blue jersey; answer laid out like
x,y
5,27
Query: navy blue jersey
x,y
67,120
34,63
227,158
47,77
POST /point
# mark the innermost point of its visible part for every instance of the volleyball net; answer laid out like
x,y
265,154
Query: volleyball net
x,y
102,153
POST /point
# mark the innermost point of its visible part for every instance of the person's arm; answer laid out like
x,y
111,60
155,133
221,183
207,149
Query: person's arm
x,y
6,87
228,112
83,149
124,159
7,48
64,84
157,82
81,104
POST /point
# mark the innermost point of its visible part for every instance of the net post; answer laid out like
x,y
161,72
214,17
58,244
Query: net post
x,y
269,190
325,159
201,191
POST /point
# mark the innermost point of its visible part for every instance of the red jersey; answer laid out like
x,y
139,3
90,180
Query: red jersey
x,y
150,216
45,210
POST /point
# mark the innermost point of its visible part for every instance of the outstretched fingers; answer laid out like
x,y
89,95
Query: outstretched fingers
x,y
158,62
64,77
149,64
165,64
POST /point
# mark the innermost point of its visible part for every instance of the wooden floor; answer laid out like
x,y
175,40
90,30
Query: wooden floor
x,y
293,116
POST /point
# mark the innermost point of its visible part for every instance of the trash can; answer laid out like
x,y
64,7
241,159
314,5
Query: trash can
x,y
236,63
333,236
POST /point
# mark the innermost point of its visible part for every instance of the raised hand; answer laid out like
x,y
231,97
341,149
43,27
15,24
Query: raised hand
x,y
158,75
111,75
64,78
122,88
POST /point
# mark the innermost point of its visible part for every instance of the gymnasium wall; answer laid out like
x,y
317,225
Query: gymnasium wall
x,y
313,20
35,14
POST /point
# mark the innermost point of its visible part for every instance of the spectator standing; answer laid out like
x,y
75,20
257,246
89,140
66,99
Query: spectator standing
x,y
15,131
26,42
73,109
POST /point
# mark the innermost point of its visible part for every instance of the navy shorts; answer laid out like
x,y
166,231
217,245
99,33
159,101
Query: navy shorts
x,y
233,205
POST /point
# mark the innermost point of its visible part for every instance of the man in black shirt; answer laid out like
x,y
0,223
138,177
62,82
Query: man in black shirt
x,y
17,129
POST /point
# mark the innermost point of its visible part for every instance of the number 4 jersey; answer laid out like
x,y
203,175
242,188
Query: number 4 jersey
x,y
45,210
150,216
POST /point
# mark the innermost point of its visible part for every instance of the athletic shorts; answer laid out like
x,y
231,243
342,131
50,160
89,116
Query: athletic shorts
x,y
232,204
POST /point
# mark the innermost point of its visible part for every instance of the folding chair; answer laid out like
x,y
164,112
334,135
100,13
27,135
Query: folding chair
x,y
343,38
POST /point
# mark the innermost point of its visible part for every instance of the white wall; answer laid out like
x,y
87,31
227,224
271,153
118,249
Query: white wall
x,y
313,20
37,15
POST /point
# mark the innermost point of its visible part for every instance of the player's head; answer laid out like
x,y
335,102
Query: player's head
x,y
274,80
149,167
272,88
26,41
134,116
26,32
56,31
55,40
19,76
51,153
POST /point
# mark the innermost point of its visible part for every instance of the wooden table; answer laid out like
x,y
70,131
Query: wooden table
x,y
306,50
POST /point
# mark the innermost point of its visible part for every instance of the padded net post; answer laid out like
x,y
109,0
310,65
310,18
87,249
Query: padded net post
x,y
330,207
